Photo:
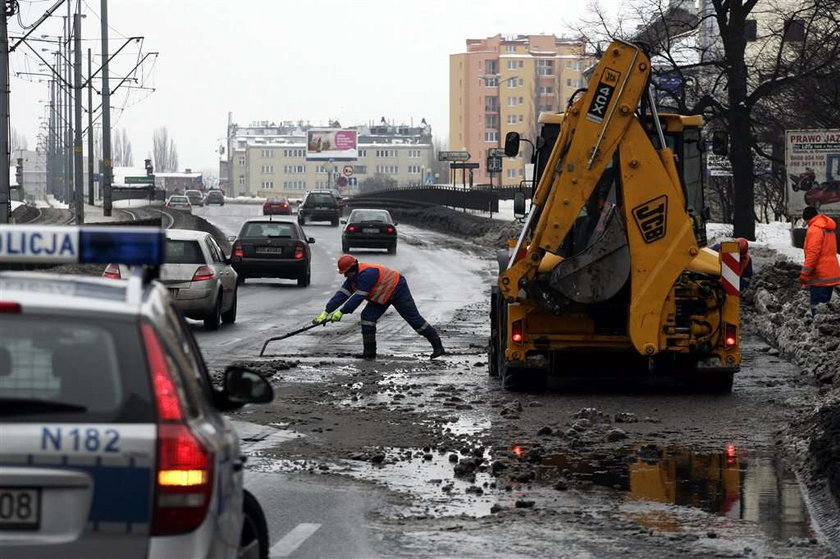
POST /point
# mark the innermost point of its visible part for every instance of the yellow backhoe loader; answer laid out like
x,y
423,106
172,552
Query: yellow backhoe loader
x,y
610,269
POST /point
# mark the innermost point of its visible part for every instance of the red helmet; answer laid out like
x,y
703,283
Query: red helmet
x,y
345,262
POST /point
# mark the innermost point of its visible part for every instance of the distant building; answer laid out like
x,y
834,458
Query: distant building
x,y
179,182
270,160
34,174
502,84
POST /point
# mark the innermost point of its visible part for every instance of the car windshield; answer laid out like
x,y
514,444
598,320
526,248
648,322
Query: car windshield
x,y
183,252
320,200
73,369
268,229
370,215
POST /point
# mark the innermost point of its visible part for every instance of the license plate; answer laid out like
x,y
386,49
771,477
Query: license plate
x,y
20,508
370,230
269,250
321,208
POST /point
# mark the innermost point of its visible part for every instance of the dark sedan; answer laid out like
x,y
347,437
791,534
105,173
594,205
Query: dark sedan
x,y
272,249
369,229
277,206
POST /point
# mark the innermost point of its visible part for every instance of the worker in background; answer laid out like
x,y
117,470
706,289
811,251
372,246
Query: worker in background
x,y
820,270
745,267
381,287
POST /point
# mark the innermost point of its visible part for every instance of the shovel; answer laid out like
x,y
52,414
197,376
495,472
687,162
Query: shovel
x,y
290,334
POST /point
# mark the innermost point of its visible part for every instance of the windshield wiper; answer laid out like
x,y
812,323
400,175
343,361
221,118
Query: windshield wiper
x,y
16,406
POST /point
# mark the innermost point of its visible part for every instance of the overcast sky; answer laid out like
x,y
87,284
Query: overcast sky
x,y
351,60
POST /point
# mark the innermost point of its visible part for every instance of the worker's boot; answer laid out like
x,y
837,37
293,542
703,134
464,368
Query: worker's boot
x,y
369,348
437,347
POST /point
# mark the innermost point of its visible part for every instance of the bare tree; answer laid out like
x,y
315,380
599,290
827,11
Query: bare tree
x,y
116,156
128,156
17,141
122,154
730,60
164,152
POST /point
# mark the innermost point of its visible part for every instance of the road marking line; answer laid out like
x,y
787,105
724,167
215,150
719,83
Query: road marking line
x,y
289,543
231,342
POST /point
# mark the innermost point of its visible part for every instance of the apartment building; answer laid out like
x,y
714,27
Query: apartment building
x,y
270,160
502,84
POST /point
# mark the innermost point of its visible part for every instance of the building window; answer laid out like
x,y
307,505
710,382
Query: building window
x,y
360,169
267,185
240,144
491,121
512,173
545,90
414,169
491,82
362,153
511,82
492,136
294,153
267,169
386,153
568,82
242,161
511,119
545,67
511,64
491,104
414,153
242,180
511,101
794,31
267,153
545,108
510,48
521,100
491,66
388,169
294,169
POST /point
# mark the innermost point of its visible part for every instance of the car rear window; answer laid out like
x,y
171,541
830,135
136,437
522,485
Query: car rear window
x,y
320,200
183,252
276,229
56,368
179,199
361,215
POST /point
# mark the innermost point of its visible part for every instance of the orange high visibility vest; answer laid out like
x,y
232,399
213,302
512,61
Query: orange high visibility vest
x,y
385,285
820,267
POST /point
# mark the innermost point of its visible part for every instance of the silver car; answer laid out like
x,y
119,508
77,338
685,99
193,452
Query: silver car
x,y
179,202
200,279
112,437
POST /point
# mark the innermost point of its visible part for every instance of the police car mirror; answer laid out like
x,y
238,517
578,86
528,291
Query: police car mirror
x,y
512,144
344,222
243,386
231,238
310,240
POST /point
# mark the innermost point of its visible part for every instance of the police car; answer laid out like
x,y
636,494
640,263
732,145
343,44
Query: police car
x,y
112,440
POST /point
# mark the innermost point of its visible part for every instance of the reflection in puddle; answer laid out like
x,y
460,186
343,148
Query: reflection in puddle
x,y
757,488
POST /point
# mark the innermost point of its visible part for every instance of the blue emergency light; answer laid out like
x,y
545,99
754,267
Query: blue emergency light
x,y
140,246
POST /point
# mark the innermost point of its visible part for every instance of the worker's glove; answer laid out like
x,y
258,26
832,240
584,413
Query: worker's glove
x,y
336,316
321,318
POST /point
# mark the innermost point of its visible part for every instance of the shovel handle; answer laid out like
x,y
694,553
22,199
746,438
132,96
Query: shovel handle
x,y
290,334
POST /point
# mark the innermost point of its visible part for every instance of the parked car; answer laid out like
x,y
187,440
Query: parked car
x,y
319,205
201,281
179,202
113,436
369,229
268,248
214,197
196,197
277,206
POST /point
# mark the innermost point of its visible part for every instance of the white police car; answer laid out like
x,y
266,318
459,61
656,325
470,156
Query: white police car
x,y
112,440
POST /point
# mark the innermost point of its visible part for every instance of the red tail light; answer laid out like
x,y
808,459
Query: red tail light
x,y
516,331
300,251
9,307
204,273
112,271
237,250
730,336
351,228
184,475
389,229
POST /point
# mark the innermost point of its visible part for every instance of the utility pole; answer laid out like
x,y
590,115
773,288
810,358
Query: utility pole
x,y
90,130
5,191
68,112
106,114
79,194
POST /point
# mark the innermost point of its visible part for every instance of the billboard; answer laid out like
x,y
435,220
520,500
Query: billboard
x,y
812,162
337,144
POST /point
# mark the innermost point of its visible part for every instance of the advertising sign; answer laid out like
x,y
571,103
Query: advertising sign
x,y
331,143
812,162
718,165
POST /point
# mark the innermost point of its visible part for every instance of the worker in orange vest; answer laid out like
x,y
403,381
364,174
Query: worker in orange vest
x,y
381,287
820,270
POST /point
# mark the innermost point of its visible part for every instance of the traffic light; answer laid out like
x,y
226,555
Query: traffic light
x,y
19,171
150,170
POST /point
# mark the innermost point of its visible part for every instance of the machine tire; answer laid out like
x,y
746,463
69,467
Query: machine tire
x,y
213,321
229,317
254,528
523,379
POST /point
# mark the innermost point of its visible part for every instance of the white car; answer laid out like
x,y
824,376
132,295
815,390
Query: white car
x,y
200,279
179,202
112,437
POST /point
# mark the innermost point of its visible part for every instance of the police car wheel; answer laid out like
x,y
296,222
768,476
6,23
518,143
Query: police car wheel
x,y
212,322
254,529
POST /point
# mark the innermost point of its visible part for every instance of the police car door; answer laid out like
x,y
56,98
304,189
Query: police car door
x,y
77,436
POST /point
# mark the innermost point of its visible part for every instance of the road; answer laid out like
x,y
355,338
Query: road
x,y
406,457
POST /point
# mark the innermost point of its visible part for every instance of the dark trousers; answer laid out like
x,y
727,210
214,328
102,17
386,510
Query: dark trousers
x,y
403,302
820,294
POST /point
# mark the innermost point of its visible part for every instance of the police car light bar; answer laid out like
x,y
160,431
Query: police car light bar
x,y
82,245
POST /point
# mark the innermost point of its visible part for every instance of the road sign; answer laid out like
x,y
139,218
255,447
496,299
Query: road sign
x,y
496,152
347,171
145,179
463,165
494,164
453,155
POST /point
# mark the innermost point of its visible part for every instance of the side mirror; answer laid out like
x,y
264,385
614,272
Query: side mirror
x,y
519,204
720,143
231,238
344,222
243,386
512,144
310,240
395,224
